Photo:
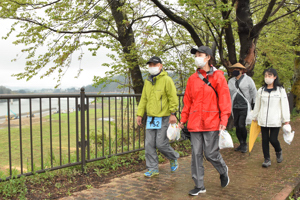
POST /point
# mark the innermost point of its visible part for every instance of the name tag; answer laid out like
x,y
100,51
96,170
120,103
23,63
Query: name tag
x,y
153,123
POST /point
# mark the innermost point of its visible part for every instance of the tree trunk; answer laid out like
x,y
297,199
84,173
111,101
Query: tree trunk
x,y
245,25
229,39
126,38
296,85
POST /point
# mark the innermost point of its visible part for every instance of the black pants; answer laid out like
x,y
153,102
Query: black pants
x,y
270,135
240,116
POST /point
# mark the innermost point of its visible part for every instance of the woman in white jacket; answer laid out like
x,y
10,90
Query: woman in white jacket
x,y
271,110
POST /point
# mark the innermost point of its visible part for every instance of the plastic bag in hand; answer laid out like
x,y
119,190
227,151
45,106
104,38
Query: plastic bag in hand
x,y
173,132
288,134
225,140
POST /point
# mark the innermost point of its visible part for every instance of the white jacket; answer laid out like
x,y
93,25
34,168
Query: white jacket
x,y
271,109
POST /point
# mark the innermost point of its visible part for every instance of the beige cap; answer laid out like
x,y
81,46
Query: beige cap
x,y
237,65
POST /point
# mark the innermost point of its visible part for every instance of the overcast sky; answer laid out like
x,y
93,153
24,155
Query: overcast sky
x,y
91,66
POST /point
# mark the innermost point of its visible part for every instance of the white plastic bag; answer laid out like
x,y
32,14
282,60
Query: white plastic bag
x,y
225,140
288,134
173,132
249,117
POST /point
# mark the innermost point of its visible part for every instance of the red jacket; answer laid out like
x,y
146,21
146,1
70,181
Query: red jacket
x,y
201,105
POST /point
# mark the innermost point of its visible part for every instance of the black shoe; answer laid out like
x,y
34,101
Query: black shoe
x,y
238,148
266,163
197,191
244,148
279,156
224,178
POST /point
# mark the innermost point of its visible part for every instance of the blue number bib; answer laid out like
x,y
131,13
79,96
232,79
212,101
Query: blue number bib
x,y
153,123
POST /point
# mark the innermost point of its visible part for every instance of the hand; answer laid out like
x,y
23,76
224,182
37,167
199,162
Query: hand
x,y
139,120
181,125
254,120
172,119
286,123
222,127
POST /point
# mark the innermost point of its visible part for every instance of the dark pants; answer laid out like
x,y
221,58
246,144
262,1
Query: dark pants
x,y
270,135
239,116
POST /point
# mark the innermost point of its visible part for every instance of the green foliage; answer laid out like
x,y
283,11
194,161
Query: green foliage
x,y
14,187
295,114
278,52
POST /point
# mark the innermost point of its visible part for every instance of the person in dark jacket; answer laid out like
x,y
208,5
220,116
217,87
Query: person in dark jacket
x,y
207,107
243,93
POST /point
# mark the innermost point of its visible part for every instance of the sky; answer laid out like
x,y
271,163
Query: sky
x,y
91,66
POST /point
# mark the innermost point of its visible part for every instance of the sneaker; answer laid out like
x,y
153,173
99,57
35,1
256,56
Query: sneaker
x,y
238,148
174,165
197,191
151,173
244,148
266,163
224,178
279,156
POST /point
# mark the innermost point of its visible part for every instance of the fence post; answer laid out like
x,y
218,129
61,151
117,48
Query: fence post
x,y
82,125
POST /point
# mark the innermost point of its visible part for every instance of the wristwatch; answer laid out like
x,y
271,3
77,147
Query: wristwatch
x,y
172,113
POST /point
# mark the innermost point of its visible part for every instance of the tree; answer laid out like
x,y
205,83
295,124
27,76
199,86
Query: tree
x,y
65,27
4,90
250,17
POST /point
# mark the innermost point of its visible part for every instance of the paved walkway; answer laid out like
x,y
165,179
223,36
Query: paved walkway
x,y
248,180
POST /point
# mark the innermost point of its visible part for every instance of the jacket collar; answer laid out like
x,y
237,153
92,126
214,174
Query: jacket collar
x,y
207,73
153,79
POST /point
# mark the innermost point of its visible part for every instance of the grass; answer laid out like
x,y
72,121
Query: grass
x,y
119,132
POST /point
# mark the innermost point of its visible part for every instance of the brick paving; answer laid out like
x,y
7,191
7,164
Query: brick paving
x,y
248,180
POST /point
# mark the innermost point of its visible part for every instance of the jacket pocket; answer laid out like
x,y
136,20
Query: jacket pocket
x,y
210,119
193,120
158,95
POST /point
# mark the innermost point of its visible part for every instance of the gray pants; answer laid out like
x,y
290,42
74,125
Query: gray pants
x,y
209,143
157,138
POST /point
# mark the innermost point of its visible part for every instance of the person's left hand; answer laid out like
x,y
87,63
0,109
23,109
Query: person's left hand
x,y
222,127
172,119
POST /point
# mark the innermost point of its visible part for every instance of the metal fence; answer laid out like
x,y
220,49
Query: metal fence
x,y
46,132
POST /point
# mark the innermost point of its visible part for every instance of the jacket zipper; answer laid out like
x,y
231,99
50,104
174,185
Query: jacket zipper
x,y
161,103
268,110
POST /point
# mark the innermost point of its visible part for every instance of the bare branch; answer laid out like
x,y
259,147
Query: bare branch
x,y
258,27
278,7
180,21
42,5
174,46
288,13
143,17
66,32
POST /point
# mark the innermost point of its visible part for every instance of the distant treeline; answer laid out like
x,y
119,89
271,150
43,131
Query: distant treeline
x,y
109,88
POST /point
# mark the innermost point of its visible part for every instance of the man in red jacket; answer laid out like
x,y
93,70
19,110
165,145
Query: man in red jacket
x,y
207,107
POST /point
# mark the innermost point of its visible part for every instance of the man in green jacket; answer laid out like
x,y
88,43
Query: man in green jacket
x,y
159,99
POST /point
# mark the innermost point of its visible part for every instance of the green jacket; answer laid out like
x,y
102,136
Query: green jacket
x,y
159,97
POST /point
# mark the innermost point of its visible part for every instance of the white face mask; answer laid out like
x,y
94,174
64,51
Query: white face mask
x,y
269,80
199,62
153,70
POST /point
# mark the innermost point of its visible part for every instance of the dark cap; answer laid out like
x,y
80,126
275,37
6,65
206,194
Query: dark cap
x,y
154,59
202,49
